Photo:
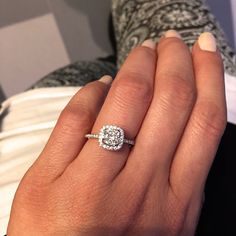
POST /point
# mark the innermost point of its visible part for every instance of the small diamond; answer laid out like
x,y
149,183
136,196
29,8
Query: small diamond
x,y
111,137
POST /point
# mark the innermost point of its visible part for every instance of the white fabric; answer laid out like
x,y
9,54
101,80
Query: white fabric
x,y
25,131
230,88
27,127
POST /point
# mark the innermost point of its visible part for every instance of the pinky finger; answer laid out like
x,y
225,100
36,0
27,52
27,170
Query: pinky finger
x,y
68,136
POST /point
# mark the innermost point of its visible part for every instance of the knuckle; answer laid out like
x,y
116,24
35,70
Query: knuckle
x,y
81,111
133,87
76,115
98,88
210,119
178,93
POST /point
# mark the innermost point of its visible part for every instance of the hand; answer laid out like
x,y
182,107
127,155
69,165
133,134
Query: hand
x,y
172,102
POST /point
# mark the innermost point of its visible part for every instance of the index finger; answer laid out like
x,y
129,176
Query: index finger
x,y
207,123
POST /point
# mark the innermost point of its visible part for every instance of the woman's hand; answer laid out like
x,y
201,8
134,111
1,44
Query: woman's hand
x,y
172,102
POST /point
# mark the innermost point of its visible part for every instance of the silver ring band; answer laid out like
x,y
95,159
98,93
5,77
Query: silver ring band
x,y
111,137
96,136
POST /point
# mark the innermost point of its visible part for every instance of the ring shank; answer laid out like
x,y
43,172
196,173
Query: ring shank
x,y
96,136
130,142
92,136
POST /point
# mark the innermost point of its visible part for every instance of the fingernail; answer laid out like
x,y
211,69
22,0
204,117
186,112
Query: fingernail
x,y
149,43
172,33
207,42
106,79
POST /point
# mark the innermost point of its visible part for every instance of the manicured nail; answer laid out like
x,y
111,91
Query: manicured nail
x,y
172,33
207,42
106,79
149,43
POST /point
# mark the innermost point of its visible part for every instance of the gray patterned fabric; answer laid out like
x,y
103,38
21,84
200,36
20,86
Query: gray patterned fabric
x,y
77,74
137,20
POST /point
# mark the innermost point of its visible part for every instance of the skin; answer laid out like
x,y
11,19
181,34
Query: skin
x,y
172,102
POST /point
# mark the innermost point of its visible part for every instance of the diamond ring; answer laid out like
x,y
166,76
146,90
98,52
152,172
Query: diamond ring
x,y
111,137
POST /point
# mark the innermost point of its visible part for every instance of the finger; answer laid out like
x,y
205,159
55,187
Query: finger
x,y
125,106
203,133
173,99
67,138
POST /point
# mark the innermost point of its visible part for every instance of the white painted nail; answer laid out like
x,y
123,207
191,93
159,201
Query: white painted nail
x,y
207,42
172,33
149,43
106,79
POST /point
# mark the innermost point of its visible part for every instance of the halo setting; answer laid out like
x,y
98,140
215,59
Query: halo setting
x,y
111,137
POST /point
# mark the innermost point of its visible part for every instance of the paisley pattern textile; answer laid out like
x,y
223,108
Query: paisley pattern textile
x,y
77,74
137,20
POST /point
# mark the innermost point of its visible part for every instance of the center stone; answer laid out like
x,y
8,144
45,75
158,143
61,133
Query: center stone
x,y
111,137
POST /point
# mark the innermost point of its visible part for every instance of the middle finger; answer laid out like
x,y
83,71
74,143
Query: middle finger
x,y
173,101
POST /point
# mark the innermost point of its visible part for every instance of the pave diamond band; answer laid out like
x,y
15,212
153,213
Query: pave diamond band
x,y
96,136
111,137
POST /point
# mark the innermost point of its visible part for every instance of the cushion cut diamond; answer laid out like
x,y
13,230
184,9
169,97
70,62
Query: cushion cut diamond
x,y
111,137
